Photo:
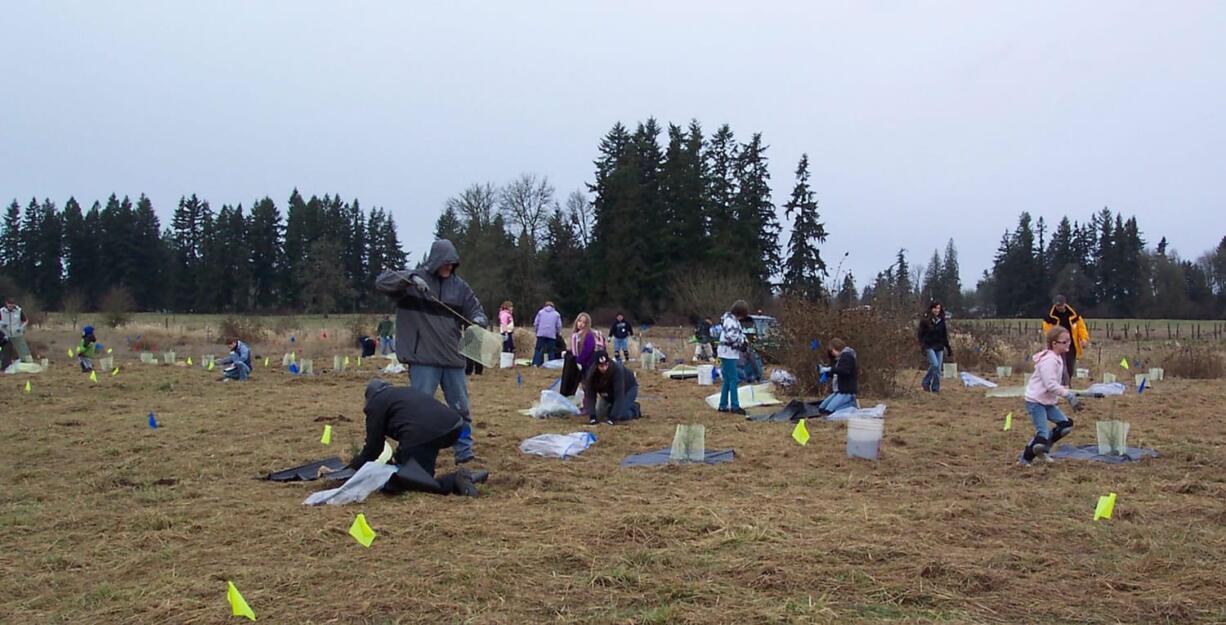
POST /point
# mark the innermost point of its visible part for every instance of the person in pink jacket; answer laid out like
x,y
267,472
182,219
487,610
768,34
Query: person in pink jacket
x,y
1043,393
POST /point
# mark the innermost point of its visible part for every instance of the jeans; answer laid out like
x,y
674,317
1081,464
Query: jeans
x,y
87,364
751,367
239,371
508,342
932,379
728,373
386,346
23,348
621,345
546,347
1041,414
604,407
427,378
835,402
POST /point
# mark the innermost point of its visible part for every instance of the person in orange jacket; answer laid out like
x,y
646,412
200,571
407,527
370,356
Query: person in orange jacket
x,y
1063,315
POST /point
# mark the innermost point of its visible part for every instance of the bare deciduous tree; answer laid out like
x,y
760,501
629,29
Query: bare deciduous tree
x,y
475,204
581,214
525,202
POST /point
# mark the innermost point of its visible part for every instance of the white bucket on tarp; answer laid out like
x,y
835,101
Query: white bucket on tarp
x,y
1004,372
864,437
506,360
950,371
1108,377
706,375
1156,374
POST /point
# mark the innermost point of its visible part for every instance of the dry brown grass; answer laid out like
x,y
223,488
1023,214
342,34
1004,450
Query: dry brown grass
x,y
106,521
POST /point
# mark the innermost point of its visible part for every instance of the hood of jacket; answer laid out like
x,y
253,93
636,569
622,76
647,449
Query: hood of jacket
x,y
375,386
442,252
1043,355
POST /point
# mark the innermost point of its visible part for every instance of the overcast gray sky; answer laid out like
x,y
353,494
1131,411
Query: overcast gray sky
x,y
923,120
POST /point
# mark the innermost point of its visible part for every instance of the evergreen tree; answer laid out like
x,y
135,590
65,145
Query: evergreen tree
x,y
757,224
804,270
356,255
188,236
563,262
951,279
299,221
721,189
42,245
931,289
322,278
265,230
10,240
147,257
81,254
847,292
447,226
681,197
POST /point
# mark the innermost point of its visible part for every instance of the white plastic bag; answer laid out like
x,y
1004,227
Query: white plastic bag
x,y
553,404
370,478
852,412
554,364
394,368
557,445
972,381
780,377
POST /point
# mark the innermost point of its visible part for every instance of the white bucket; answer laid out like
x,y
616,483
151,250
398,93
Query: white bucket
x,y
1108,377
1155,374
1141,377
1004,372
706,375
506,360
950,371
1082,374
864,437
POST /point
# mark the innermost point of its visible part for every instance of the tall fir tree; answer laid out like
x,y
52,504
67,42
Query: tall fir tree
x,y
757,226
804,270
721,157
10,240
265,230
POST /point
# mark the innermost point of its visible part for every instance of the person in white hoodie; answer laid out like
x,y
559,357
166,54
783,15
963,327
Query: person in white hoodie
x,y
1042,396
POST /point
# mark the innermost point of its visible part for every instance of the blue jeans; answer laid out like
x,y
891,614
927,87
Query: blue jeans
x,y
386,346
1041,414
240,371
427,378
621,345
932,379
545,349
728,373
835,402
751,368
604,407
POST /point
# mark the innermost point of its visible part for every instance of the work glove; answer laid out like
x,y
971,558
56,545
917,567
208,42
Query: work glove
x,y
419,283
1075,403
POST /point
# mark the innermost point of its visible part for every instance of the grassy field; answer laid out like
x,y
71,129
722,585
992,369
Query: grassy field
x,y
104,520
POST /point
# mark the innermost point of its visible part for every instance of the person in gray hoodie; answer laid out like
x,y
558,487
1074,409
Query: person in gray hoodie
x,y
428,334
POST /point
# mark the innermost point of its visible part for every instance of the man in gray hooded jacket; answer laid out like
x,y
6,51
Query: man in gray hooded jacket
x,y
428,335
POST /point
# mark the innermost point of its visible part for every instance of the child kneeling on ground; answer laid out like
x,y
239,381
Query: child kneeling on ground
x,y
846,378
1043,393
610,386
87,350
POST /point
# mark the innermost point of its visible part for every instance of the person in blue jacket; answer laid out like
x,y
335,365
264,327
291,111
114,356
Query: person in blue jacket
x,y
238,362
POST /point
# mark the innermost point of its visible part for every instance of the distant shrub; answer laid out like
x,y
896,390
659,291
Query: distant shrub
x,y
117,306
247,329
286,324
884,341
1196,363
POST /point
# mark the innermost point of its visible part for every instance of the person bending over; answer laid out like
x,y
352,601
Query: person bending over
x,y
421,426
238,361
846,378
87,350
610,391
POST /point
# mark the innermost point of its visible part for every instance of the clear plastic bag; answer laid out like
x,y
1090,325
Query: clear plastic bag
x,y
557,445
481,345
553,404
689,443
370,478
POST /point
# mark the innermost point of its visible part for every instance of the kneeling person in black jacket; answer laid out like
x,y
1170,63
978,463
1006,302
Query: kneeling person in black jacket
x,y
613,384
421,426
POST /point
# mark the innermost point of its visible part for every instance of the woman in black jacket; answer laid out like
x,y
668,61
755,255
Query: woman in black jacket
x,y
933,338
616,385
846,382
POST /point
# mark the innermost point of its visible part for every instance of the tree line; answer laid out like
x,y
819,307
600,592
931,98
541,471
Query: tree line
x,y
676,222
321,255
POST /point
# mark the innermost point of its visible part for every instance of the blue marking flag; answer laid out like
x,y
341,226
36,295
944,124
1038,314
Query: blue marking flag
x,y
293,368
519,379
814,344
1141,389
153,422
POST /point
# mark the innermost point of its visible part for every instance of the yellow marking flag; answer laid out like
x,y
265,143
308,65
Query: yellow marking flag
x,y
346,361
238,605
361,532
800,433
27,386
327,437
189,361
110,350
70,354
210,365
1008,421
114,372
93,377
1106,505
1124,363
266,361
359,361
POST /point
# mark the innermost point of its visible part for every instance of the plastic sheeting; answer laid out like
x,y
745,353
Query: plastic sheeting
x,y
481,345
554,364
557,445
974,380
794,411
306,472
661,456
1104,389
370,478
1090,452
681,372
1006,391
749,396
23,367
876,412
394,369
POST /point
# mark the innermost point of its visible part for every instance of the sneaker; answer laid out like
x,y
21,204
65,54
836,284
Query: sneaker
x,y
1047,458
723,410
740,411
1022,462
479,477
609,421
592,421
